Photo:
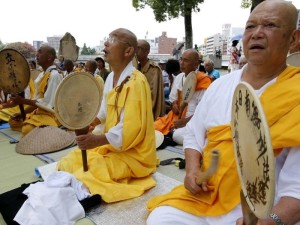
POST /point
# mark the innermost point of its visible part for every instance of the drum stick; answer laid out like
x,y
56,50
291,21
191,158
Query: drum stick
x,y
83,151
248,216
211,170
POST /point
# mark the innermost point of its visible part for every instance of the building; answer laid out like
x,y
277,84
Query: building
x,y
54,42
37,44
165,44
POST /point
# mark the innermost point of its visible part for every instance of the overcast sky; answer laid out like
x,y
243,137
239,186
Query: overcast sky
x,y
89,21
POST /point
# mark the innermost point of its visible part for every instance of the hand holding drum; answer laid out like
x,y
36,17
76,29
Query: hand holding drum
x,y
77,103
253,154
14,74
188,91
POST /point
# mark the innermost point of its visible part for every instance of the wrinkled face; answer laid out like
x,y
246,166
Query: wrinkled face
x,y
266,37
115,47
187,63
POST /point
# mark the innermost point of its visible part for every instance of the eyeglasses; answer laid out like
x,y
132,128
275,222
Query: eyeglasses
x,y
184,60
113,39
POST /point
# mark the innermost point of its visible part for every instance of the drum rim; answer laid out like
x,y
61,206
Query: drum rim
x,y
57,99
271,191
26,74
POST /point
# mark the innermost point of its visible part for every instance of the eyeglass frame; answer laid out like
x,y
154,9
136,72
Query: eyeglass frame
x,y
113,39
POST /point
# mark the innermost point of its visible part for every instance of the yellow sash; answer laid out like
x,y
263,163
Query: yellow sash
x,y
43,84
281,103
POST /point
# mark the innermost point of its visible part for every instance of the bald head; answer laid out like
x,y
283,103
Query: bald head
x,y
189,61
126,36
270,31
91,66
284,8
144,44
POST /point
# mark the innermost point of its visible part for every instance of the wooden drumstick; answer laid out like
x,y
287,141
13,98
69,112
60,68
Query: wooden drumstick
x,y
83,151
212,168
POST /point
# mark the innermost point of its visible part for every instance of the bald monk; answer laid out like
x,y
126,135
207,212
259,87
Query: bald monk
x,y
122,159
269,32
45,88
189,62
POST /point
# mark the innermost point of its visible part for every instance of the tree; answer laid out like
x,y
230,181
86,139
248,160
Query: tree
x,y
84,50
25,48
250,3
87,50
167,9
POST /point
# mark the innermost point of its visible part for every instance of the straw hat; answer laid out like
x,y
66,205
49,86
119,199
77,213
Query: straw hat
x,y
159,138
45,140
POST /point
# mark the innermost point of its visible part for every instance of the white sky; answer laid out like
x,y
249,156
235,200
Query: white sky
x,y
89,21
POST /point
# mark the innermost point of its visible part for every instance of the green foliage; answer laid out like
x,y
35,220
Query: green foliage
x,y
168,9
87,50
246,4
250,4
25,48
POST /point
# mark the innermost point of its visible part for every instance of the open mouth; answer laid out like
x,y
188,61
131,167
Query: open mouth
x,y
256,46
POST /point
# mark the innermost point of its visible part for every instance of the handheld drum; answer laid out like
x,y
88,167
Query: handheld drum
x,y
188,90
77,103
293,59
14,74
253,154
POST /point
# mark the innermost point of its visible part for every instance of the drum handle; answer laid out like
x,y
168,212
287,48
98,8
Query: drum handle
x,y
78,132
248,216
21,106
183,105
211,170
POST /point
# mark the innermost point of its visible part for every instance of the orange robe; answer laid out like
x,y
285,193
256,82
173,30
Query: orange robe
x,y
166,123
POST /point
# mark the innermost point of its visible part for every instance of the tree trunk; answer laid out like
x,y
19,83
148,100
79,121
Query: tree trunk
x,y
255,3
188,29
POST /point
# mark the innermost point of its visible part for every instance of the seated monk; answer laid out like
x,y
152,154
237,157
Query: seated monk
x,y
269,31
45,87
189,62
122,159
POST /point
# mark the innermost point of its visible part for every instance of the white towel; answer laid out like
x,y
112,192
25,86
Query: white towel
x,y
53,202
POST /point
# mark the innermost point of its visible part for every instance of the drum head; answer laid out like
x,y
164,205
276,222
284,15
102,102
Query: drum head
x,y
293,59
77,100
14,71
253,150
189,86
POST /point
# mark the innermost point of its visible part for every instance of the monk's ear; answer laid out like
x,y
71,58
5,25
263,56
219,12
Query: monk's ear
x,y
295,41
129,51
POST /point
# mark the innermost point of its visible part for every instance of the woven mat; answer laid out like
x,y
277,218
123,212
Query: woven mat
x,y
132,211
176,149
